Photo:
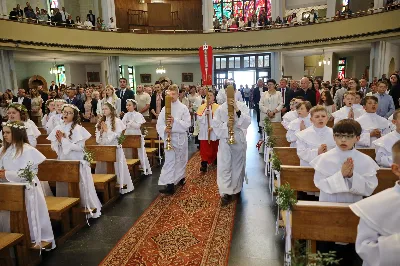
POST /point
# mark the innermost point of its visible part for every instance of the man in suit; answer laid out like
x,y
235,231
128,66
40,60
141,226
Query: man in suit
x,y
44,97
72,99
306,92
53,87
256,99
364,87
338,99
22,99
91,17
124,94
286,95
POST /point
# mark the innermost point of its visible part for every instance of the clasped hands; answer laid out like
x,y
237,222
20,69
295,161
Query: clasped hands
x,y
103,127
322,149
59,135
347,168
375,133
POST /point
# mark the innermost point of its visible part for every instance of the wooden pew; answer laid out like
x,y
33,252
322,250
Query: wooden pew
x,y
133,142
90,127
42,130
12,198
7,241
301,178
288,155
279,132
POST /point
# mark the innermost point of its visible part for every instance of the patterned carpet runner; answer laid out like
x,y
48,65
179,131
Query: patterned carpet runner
x,y
188,228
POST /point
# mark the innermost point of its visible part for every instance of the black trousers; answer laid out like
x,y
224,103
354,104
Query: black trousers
x,y
257,109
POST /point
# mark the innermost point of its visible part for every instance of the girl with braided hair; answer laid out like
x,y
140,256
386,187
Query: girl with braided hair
x,y
50,111
108,130
68,141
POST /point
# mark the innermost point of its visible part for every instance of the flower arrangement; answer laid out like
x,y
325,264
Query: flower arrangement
x,y
268,126
302,257
144,131
286,197
88,156
71,106
276,163
13,125
18,107
27,173
121,139
271,141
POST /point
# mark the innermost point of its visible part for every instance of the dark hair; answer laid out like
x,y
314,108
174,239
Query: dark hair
x,y
271,80
103,118
124,79
19,138
360,93
300,98
319,83
76,120
369,98
21,109
328,96
307,104
347,126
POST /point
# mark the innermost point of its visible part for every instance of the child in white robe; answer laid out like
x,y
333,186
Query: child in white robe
x,y
358,100
133,121
347,111
292,114
373,126
16,154
56,120
50,111
383,145
378,234
68,141
316,139
299,124
173,170
108,129
344,174
392,126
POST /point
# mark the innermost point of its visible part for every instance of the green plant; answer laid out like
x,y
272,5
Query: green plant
x,y
88,156
286,197
121,139
271,141
27,173
300,256
268,126
276,163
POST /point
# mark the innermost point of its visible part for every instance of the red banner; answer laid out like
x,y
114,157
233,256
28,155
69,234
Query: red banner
x,y
206,64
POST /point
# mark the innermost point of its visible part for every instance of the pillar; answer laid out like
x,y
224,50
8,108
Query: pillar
x,y
3,9
208,13
328,69
276,65
110,71
379,3
8,77
108,11
331,9
381,54
278,8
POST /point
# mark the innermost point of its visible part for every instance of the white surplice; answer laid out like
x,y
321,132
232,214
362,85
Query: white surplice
x,y
121,167
294,127
46,118
72,149
378,234
231,158
289,117
221,96
36,209
383,148
268,103
203,120
343,113
174,166
333,186
54,120
390,119
133,121
310,139
369,122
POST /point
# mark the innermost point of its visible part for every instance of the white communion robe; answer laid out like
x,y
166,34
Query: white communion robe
x,y
390,119
369,122
343,113
55,120
203,122
72,149
121,167
289,117
133,121
231,158
221,96
333,186
378,234
294,127
310,139
174,166
383,148
36,209
46,119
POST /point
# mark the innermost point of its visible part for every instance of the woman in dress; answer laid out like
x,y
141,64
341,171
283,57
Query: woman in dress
x,y
111,98
5,101
271,104
327,101
36,106
16,154
50,111
108,130
157,102
90,108
68,141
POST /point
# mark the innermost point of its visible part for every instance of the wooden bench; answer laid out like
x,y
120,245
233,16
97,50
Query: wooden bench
x,y
91,127
133,142
279,132
7,241
42,130
42,139
12,199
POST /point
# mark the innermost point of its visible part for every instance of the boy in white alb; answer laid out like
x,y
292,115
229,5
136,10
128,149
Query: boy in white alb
x,y
383,145
299,124
316,139
378,234
347,111
292,114
344,174
357,105
373,126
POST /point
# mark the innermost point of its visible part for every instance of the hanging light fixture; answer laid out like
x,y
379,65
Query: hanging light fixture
x,y
54,69
160,69
322,59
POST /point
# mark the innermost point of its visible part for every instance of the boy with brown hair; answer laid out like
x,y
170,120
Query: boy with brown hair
x,y
302,122
347,111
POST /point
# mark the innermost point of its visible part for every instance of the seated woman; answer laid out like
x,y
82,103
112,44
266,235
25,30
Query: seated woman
x,y
16,154
108,130
68,141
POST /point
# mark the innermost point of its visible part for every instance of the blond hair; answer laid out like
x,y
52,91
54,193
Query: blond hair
x,y
396,152
174,87
396,114
352,93
318,108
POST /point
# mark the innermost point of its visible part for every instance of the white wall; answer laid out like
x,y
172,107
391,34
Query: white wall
x,y
293,66
25,70
292,4
174,72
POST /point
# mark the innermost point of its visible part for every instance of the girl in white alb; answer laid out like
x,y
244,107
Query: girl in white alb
x,y
133,121
292,114
16,154
68,141
299,124
383,148
50,111
108,130
110,98
56,120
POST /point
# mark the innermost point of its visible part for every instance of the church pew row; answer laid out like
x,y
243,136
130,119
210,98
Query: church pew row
x,y
12,199
7,241
288,155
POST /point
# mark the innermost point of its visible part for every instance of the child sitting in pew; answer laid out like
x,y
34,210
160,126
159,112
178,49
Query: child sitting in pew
x,y
344,174
302,122
108,129
68,141
383,145
16,154
50,112
347,111
358,102
316,139
292,114
373,126
378,236
57,119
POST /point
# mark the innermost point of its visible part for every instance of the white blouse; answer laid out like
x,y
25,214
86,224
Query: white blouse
x,y
270,102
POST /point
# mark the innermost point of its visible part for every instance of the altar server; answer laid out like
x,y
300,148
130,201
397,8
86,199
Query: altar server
x,y
175,126
133,121
292,115
68,141
316,139
56,119
16,154
207,137
378,234
347,111
302,122
108,129
344,174
50,112
231,157
373,126
383,145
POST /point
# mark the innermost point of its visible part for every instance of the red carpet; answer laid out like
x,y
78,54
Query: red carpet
x,y
188,228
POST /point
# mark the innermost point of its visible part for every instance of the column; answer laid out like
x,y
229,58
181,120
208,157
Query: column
x,y
208,13
108,11
110,71
8,77
331,9
3,9
276,65
328,69
379,3
278,8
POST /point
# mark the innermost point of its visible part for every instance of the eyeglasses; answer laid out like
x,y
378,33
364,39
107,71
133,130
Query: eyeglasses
x,y
345,136
67,113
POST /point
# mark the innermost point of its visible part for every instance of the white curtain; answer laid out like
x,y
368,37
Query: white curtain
x,y
108,11
8,79
112,68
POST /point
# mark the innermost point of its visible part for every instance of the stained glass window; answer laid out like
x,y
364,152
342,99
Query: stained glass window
x,y
61,78
345,3
241,8
53,4
342,68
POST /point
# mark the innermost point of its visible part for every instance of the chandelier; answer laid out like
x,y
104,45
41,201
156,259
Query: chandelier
x,y
54,69
160,69
322,60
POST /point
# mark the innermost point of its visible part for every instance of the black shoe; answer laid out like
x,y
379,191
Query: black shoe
x,y
203,167
225,199
169,189
182,182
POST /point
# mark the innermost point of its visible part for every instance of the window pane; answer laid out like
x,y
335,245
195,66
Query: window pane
x,y
266,60
231,62
263,74
237,62
217,63
260,61
221,75
223,63
130,70
230,75
252,61
246,61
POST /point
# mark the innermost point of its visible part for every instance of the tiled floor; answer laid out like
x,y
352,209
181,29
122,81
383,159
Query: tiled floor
x,y
254,242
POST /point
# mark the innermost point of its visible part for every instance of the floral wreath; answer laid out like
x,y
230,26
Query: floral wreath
x,y
60,100
13,125
71,106
49,100
18,107
131,100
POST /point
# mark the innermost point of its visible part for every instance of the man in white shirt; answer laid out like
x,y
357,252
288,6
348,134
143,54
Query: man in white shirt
x,y
112,26
64,14
143,100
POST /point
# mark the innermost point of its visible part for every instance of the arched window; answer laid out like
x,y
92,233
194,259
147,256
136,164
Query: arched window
x,y
241,8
